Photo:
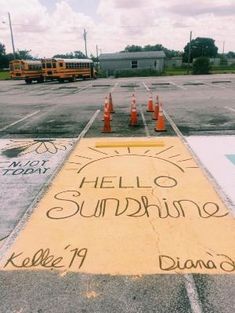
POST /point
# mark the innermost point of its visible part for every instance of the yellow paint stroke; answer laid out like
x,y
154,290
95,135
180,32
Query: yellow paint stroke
x,y
128,210
116,144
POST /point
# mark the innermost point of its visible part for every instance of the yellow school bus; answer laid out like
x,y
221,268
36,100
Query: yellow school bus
x,y
27,70
67,69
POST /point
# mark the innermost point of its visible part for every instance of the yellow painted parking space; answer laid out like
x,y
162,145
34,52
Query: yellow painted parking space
x,y
128,210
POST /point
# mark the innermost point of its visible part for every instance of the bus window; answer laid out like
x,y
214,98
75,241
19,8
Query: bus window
x,y
49,65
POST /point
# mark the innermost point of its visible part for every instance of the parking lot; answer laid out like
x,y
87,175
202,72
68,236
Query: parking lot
x,y
132,220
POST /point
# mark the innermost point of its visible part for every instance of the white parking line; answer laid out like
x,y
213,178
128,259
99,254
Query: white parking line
x,y
18,121
144,121
114,87
231,109
178,86
88,125
214,85
85,87
194,300
191,289
146,87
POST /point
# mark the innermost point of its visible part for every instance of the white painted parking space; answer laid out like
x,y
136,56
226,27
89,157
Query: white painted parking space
x,y
217,154
25,167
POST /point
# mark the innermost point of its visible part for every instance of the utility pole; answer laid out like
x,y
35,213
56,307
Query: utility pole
x,y
97,57
85,40
97,52
189,51
223,47
12,39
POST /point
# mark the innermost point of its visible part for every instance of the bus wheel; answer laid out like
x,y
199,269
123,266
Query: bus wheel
x,y
28,81
61,80
72,79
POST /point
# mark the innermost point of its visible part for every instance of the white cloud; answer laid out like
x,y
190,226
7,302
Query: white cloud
x,y
120,23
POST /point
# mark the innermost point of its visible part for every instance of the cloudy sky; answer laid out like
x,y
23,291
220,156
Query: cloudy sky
x,y
47,27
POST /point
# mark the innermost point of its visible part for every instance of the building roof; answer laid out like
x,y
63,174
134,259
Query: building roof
x,y
26,61
132,55
68,60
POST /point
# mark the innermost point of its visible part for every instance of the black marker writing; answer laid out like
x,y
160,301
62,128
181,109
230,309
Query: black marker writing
x,y
71,204
217,261
45,258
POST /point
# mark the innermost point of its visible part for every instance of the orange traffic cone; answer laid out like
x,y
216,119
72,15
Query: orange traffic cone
x,y
150,104
107,126
160,124
133,100
111,110
156,109
107,106
133,117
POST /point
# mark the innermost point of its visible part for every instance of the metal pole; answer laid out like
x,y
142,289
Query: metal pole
x,y
12,39
189,51
84,36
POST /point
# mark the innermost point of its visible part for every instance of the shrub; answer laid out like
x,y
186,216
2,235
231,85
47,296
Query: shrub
x,y
136,73
201,66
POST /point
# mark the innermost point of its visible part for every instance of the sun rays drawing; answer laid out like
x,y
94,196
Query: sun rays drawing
x,y
168,154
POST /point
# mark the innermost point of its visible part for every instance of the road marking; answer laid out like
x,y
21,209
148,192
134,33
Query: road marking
x,y
88,125
79,90
144,121
214,85
146,87
18,121
231,109
175,128
84,88
114,87
191,289
181,87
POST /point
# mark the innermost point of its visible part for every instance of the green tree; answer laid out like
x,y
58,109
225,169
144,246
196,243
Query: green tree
x,y
200,47
24,55
133,48
157,47
3,58
2,49
79,55
230,54
71,55
201,66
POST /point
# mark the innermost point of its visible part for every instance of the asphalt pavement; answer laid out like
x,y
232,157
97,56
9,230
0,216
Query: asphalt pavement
x,y
132,220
